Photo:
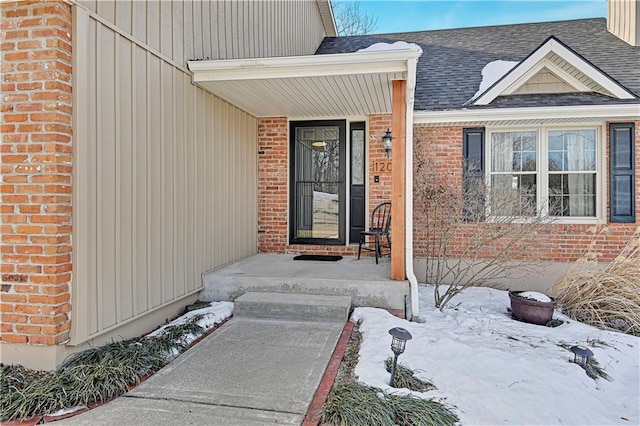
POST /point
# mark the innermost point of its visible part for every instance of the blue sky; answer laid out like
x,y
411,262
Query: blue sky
x,y
402,16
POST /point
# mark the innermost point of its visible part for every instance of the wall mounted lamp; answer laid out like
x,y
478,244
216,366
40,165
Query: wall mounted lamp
x,y
386,142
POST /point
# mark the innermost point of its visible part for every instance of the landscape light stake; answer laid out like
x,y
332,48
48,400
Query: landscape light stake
x,y
399,341
583,353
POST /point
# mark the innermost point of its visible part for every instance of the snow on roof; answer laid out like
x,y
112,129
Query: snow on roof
x,y
492,72
398,45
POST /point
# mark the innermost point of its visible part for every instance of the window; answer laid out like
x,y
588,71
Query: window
x,y
545,170
514,173
572,173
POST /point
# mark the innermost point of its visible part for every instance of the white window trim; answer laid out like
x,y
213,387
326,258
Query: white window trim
x,y
542,159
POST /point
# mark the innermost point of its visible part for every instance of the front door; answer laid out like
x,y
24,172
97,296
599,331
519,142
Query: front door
x,y
317,184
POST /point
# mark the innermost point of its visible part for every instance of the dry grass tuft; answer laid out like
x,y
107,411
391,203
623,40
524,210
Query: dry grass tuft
x,y
608,297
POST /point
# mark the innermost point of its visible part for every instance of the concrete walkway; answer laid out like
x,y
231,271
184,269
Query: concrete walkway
x,y
248,372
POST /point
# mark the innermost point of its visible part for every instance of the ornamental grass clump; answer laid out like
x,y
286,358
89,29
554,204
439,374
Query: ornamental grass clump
x,y
405,378
605,297
355,404
95,375
412,411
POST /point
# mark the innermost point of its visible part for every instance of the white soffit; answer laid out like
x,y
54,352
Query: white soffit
x,y
319,86
564,63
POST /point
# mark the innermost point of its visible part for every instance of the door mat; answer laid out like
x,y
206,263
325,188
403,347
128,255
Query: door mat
x,y
320,257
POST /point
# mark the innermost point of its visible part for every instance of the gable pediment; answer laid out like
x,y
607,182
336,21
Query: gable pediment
x,y
545,81
552,68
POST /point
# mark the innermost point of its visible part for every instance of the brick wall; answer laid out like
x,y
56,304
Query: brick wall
x,y
273,171
273,189
557,242
36,172
379,163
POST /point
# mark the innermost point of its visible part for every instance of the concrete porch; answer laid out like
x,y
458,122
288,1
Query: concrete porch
x,y
368,284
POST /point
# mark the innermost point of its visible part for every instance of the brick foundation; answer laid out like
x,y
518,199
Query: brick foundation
x,y
36,172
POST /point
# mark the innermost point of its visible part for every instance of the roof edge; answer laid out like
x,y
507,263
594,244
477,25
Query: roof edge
x,y
618,111
555,45
366,62
328,20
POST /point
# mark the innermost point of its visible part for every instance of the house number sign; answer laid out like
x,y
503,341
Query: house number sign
x,y
382,166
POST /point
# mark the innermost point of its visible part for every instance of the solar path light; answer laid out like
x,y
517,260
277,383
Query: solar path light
x,y
398,343
583,353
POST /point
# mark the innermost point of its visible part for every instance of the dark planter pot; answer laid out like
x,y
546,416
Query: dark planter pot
x,y
531,311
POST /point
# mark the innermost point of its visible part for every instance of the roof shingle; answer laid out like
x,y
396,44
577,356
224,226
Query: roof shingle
x,y
449,70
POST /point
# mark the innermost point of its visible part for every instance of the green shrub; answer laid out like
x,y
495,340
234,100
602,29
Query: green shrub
x,y
354,404
405,378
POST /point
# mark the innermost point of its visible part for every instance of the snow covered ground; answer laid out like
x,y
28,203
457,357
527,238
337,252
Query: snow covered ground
x,y
494,370
212,315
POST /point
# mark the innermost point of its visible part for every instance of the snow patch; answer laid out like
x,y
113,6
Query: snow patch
x,y
214,314
493,72
493,370
534,295
398,45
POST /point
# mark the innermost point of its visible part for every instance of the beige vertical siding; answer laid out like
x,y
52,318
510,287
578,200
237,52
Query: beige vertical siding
x,y
208,29
164,177
545,82
624,20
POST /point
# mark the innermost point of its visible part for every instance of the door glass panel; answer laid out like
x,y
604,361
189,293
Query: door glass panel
x,y
357,157
317,182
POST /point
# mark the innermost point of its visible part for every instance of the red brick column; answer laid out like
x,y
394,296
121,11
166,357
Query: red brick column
x,y
379,164
36,172
273,169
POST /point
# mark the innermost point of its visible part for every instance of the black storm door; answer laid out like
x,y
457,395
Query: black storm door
x,y
317,184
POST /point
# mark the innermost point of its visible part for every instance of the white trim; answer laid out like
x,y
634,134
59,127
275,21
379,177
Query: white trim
x,y
326,12
370,62
551,46
617,111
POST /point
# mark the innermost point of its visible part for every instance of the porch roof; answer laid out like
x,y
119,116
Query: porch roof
x,y
317,86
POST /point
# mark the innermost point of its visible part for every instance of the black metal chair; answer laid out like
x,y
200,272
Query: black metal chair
x,y
378,228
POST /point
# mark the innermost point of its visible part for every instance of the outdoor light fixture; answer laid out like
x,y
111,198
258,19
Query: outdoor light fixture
x,y
400,337
386,142
583,353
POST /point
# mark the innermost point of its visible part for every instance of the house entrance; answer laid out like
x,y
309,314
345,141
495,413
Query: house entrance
x,y
317,182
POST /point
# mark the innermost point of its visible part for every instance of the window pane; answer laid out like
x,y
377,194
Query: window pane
x,y
572,194
555,140
529,141
501,153
513,195
528,161
572,150
513,151
555,161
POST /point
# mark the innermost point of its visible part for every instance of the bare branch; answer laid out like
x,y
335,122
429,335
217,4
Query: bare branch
x,y
475,234
350,20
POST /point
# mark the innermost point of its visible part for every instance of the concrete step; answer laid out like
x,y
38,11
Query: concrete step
x,y
292,306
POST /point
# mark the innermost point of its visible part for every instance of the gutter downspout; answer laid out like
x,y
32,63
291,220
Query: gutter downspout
x,y
413,281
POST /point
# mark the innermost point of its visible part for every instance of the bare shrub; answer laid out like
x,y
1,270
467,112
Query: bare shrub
x,y
606,297
475,234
